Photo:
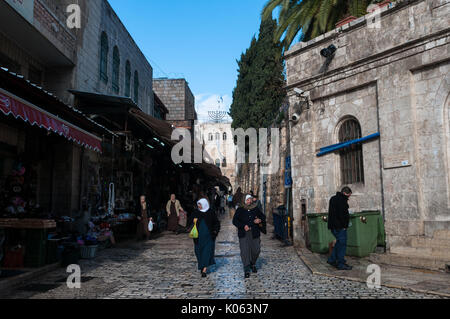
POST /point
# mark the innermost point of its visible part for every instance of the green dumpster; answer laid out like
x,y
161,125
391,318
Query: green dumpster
x,y
319,234
381,239
362,234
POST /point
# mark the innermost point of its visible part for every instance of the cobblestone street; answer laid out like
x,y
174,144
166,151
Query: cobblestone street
x,y
166,268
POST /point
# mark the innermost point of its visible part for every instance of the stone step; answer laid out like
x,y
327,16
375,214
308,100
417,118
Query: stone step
x,y
436,264
432,252
422,242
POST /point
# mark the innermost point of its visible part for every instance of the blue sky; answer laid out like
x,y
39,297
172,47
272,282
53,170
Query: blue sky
x,y
198,40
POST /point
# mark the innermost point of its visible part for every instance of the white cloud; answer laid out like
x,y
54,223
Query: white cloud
x,y
206,102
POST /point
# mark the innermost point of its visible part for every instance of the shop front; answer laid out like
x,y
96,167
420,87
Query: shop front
x,y
42,142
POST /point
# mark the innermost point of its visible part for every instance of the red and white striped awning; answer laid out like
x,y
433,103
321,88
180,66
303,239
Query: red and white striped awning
x,y
19,108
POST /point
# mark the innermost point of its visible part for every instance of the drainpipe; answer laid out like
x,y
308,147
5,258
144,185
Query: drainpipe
x,y
381,160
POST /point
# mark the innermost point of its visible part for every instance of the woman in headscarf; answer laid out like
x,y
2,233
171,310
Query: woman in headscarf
x,y
143,217
173,209
250,222
208,227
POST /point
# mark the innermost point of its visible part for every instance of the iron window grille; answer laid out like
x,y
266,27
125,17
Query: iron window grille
x,y
352,164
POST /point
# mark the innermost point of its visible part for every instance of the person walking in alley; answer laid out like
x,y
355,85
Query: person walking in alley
x,y
173,209
143,217
250,222
208,226
338,222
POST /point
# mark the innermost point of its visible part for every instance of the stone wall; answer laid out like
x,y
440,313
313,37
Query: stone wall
x,y
394,80
99,17
177,97
50,18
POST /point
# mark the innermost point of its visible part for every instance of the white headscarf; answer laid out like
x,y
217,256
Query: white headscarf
x,y
247,197
205,205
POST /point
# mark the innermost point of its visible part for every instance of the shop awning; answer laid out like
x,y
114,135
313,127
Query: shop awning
x,y
336,147
11,104
159,128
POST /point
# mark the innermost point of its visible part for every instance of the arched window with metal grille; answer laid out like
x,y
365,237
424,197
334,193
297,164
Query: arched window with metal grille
x,y
116,70
352,163
224,136
104,48
127,79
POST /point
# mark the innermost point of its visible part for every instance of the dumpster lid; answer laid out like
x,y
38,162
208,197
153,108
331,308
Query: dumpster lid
x,y
365,213
315,215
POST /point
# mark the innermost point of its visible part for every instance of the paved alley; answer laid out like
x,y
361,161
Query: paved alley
x,y
166,268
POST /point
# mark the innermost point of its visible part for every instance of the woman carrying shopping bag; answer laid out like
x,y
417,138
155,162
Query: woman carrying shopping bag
x,y
208,227
143,218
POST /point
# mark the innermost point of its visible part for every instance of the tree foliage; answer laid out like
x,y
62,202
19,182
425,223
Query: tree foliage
x,y
311,18
259,90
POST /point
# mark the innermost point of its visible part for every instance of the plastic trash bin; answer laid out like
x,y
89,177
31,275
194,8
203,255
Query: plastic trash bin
x,y
319,235
89,252
279,221
362,234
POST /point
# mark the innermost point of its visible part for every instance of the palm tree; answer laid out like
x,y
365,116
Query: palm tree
x,y
311,18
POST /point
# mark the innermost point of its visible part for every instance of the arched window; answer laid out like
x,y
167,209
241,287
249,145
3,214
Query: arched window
x,y
352,164
224,136
217,136
128,79
224,162
104,48
116,70
136,87
211,137
218,162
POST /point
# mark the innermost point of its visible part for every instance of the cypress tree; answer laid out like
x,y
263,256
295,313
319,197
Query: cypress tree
x,y
259,90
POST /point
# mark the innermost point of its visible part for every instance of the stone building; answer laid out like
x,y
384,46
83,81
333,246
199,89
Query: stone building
x,y
389,75
109,61
37,45
219,148
179,100
100,60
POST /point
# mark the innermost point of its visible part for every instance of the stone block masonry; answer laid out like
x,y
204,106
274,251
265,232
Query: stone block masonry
x,y
99,17
394,80
177,97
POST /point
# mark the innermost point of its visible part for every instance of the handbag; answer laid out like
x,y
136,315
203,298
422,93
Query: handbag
x,y
150,226
194,232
